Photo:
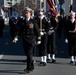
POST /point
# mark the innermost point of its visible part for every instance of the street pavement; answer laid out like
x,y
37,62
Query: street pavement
x,y
12,59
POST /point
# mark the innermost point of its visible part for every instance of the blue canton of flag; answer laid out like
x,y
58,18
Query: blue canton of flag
x,y
57,6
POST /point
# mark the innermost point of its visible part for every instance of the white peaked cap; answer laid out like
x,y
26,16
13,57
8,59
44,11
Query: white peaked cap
x,y
72,13
28,9
41,10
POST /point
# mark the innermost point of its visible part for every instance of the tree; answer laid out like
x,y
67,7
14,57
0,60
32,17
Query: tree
x,y
19,7
28,3
31,4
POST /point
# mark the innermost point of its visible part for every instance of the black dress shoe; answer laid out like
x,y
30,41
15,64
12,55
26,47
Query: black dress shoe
x,y
27,70
53,60
41,63
44,63
75,63
48,60
71,62
32,69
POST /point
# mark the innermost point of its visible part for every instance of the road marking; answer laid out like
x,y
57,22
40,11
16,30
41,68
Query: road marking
x,y
1,56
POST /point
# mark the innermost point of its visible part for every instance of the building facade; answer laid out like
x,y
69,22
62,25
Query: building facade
x,y
1,4
44,4
69,3
66,6
9,3
74,5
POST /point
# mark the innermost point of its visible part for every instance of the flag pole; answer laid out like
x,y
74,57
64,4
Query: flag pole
x,y
40,17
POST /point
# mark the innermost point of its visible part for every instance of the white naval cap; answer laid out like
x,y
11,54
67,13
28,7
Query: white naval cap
x,y
41,10
27,9
72,13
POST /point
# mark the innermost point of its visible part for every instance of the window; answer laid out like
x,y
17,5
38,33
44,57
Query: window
x,y
15,0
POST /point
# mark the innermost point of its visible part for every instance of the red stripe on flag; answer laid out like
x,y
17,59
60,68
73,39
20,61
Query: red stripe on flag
x,y
50,3
52,10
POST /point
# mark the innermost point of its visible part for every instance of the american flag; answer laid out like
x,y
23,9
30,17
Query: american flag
x,y
52,6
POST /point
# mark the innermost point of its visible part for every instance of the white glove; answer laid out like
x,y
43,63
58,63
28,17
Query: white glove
x,y
50,32
38,42
75,30
51,28
66,40
41,33
15,40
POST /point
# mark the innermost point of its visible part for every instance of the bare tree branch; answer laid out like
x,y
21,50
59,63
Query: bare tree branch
x,y
20,6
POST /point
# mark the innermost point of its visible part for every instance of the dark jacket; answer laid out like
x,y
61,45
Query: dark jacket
x,y
45,24
69,27
30,31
